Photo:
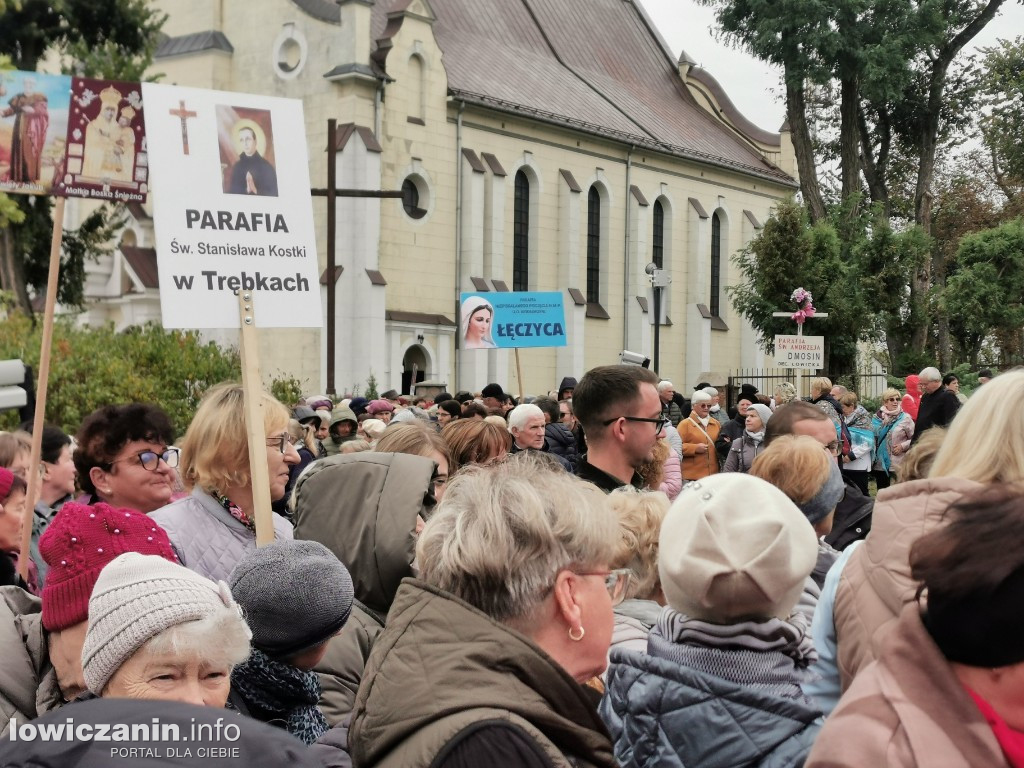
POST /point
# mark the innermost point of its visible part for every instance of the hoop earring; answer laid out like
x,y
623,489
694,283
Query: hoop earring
x,y
573,637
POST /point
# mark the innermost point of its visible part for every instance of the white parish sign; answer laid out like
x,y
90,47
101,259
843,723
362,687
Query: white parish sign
x,y
231,208
803,352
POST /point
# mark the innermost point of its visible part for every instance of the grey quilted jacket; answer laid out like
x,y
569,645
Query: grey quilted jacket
x,y
661,713
206,538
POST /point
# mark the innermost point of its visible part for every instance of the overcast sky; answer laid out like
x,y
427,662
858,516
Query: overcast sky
x,y
753,86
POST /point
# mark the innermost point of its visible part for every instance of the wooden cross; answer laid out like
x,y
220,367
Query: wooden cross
x,y
183,114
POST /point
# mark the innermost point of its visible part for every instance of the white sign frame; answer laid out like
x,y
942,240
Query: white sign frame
x,y
811,350
216,230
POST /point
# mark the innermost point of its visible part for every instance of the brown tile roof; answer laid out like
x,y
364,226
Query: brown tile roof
x,y
597,66
143,263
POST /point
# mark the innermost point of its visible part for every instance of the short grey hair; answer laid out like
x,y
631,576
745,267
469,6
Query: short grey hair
x,y
665,384
929,374
503,533
521,414
711,392
221,638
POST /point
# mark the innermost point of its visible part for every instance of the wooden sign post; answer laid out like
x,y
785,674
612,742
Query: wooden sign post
x,y
34,476
800,332
253,393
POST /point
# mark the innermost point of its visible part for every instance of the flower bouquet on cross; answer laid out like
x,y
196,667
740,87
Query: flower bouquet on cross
x,y
804,305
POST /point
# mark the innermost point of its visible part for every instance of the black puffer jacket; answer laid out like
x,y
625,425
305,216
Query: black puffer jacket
x,y
562,442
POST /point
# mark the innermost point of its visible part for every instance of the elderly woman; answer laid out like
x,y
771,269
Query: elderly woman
x,y
744,449
640,516
484,654
946,687
212,528
160,631
726,659
12,515
857,461
475,441
893,429
124,456
41,664
418,439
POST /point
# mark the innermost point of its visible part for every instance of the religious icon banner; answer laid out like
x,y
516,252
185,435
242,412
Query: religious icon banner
x,y
232,208
510,319
106,156
33,125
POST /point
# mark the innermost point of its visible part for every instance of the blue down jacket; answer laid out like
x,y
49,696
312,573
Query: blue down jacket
x,y
661,713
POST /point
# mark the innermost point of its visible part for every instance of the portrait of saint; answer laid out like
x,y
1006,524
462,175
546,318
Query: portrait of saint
x,y
249,168
31,120
106,155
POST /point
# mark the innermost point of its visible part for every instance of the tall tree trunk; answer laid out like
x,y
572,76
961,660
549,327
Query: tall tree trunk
x,y
12,276
849,145
875,168
796,113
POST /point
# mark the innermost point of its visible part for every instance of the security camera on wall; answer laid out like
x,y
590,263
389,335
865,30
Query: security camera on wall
x,y
634,358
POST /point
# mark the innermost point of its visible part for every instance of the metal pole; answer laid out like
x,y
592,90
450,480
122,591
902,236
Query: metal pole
x,y
332,152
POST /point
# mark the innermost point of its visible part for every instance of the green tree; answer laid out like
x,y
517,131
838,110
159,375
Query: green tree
x,y
100,38
986,295
90,367
790,252
1000,82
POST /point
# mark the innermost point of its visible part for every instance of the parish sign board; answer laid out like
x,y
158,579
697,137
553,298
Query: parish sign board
x,y
512,320
802,352
232,208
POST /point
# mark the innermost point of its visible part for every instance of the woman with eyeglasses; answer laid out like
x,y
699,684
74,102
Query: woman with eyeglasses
x,y
699,432
893,430
484,654
124,457
215,526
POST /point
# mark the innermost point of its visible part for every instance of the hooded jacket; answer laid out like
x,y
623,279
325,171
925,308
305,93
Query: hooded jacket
x,y
876,582
442,668
28,682
661,713
363,507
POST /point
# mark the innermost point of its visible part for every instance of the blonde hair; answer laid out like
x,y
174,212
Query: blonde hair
x,y
215,451
971,450
821,384
849,398
502,534
474,441
640,515
497,421
891,392
653,471
919,459
795,464
414,438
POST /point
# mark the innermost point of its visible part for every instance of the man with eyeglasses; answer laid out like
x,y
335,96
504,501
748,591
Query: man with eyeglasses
x,y
852,519
699,431
620,412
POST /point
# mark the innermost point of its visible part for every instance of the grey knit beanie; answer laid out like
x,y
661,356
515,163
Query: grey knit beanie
x,y
137,597
294,594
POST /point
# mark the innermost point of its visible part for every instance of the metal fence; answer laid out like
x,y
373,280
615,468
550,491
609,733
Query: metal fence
x,y
866,385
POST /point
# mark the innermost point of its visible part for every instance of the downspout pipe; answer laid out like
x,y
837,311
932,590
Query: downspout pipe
x,y
625,260
458,238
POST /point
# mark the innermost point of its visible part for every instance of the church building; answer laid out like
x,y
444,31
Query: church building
x,y
525,145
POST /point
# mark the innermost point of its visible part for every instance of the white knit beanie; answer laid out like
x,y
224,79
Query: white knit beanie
x,y
135,599
734,547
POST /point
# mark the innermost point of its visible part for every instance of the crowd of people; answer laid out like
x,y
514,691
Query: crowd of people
x,y
608,575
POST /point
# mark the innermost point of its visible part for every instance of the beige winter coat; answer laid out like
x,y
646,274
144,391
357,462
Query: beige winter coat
x,y
28,682
876,582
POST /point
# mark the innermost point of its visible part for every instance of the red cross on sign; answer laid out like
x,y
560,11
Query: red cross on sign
x,y
183,114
